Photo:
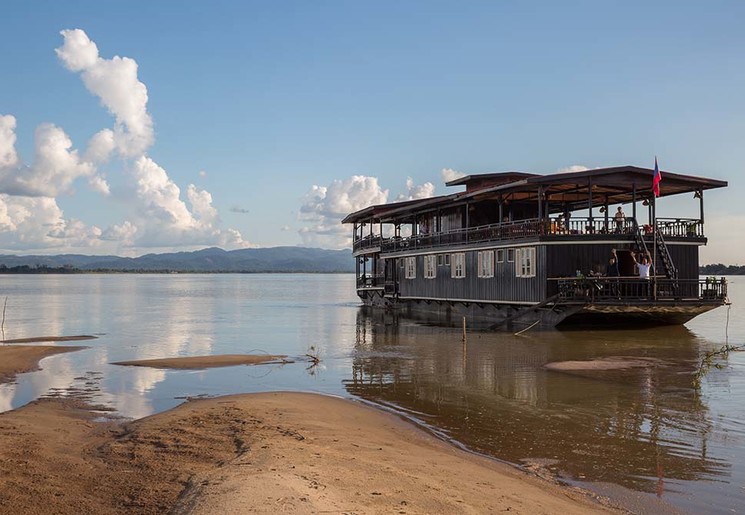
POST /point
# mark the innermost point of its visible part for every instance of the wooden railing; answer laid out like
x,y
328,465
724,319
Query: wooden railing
x,y
370,281
603,289
575,226
481,234
595,225
681,227
368,242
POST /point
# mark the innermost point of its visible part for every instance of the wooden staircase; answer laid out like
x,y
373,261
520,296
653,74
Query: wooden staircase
x,y
662,252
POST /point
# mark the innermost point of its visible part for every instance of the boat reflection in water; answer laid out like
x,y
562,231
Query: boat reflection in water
x,y
643,428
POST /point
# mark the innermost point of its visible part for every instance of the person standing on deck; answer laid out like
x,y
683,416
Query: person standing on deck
x,y
644,272
613,272
620,218
644,267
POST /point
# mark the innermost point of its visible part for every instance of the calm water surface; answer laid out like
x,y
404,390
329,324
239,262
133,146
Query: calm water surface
x,y
645,430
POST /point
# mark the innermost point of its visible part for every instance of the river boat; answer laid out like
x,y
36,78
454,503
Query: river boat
x,y
520,249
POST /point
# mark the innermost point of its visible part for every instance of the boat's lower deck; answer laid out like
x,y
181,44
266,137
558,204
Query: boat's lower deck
x,y
550,313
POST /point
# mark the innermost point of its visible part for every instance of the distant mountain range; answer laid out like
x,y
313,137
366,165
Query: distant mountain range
x,y
274,259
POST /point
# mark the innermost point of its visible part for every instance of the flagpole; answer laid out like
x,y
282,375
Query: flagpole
x,y
654,243
654,229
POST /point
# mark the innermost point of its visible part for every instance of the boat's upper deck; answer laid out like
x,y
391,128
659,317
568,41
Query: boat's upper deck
x,y
512,206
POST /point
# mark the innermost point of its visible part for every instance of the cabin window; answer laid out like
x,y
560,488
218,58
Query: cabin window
x,y
458,270
486,264
430,267
500,256
410,271
440,259
510,255
525,262
447,259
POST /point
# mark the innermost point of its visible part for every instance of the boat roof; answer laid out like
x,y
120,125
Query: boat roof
x,y
613,185
485,180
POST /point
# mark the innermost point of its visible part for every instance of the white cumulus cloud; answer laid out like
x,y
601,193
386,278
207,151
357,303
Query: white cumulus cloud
x,y
55,167
325,206
114,81
417,191
163,218
28,223
448,174
8,155
98,183
30,217
572,168
123,233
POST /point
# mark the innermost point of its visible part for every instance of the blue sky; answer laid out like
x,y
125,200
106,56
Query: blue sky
x,y
288,114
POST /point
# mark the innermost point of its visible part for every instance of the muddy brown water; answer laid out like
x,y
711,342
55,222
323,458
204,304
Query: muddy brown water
x,y
642,433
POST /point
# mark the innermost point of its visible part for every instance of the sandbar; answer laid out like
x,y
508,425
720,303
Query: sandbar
x,y
17,359
255,453
617,363
190,362
33,339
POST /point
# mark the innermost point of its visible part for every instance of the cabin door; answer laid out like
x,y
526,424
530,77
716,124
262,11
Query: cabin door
x,y
391,276
626,263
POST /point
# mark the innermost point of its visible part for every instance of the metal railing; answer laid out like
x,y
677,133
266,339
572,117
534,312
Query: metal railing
x,y
600,289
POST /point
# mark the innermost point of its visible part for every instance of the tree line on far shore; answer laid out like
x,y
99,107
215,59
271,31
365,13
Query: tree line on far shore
x,y
69,269
717,269
39,269
720,269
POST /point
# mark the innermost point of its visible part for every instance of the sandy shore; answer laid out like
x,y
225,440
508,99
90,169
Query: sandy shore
x,y
17,359
274,452
219,360
33,339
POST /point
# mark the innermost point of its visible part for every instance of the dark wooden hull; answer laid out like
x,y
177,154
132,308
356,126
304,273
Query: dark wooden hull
x,y
652,314
514,317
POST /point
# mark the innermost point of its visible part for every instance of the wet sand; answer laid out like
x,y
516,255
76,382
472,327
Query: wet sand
x,y
17,359
260,453
34,339
616,363
190,362
264,453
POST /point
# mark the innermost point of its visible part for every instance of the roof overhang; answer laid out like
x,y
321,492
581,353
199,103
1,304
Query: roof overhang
x,y
615,185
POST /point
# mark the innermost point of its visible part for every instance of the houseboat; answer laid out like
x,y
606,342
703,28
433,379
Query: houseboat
x,y
520,250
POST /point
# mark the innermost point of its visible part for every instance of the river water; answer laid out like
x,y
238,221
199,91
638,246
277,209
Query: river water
x,y
644,435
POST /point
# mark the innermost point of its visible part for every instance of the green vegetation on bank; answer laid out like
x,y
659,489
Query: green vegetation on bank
x,y
720,269
25,269
36,269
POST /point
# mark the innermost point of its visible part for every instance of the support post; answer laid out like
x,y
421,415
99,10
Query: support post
x,y
468,221
633,203
540,210
606,213
589,199
701,208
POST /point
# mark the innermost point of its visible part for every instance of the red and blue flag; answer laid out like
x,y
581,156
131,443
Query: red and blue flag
x,y
656,178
